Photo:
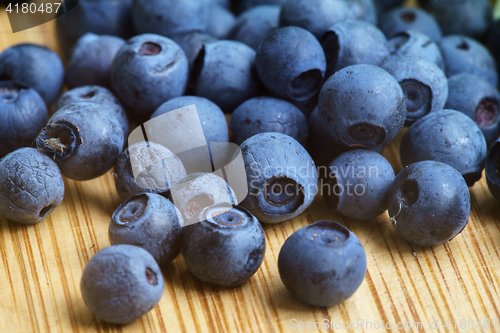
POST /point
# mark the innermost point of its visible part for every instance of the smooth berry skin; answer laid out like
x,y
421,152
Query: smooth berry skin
x,y
223,3
224,73
493,169
252,26
291,63
99,95
354,42
91,60
35,66
226,248
275,161
213,121
364,10
322,264
31,186
479,100
220,21
147,71
462,54
245,5
429,203
355,111
84,139
424,84
357,184
149,221
315,16
403,19
447,136
23,114
101,17
121,283
268,114
466,17
139,169
415,43
168,18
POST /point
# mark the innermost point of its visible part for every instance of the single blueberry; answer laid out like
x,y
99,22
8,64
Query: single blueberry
x,y
224,73
121,283
493,169
254,24
31,186
291,63
316,16
146,167
465,55
99,95
429,203
23,114
477,99
226,248
282,177
403,19
424,84
447,136
84,139
353,42
147,71
220,21
362,106
268,114
91,60
35,66
322,264
357,183
149,221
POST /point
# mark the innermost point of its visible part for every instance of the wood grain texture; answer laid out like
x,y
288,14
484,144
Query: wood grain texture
x,y
41,267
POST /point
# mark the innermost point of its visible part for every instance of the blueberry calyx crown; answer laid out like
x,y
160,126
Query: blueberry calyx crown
x,y
133,210
9,94
228,218
151,277
281,191
329,233
418,98
364,135
59,140
487,112
149,49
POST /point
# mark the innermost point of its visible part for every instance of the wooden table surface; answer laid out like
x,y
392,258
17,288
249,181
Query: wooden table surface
x,y
457,283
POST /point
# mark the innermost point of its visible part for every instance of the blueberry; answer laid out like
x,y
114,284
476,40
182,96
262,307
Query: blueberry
x,y
465,17
477,99
226,248
316,16
354,42
149,221
146,167
199,190
224,73
213,121
465,55
254,24
248,4
447,136
322,264
414,43
282,177
121,283
356,112
493,169
168,18
220,21
268,114
291,63
99,95
84,139
91,60
101,17
35,66
192,42
147,71
364,10
403,19
429,203
357,183
424,84
31,186
23,114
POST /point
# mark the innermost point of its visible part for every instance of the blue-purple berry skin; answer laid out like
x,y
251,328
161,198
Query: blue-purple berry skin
x,y
31,186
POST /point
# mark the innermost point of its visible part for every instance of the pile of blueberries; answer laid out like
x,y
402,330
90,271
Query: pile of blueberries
x,y
316,89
